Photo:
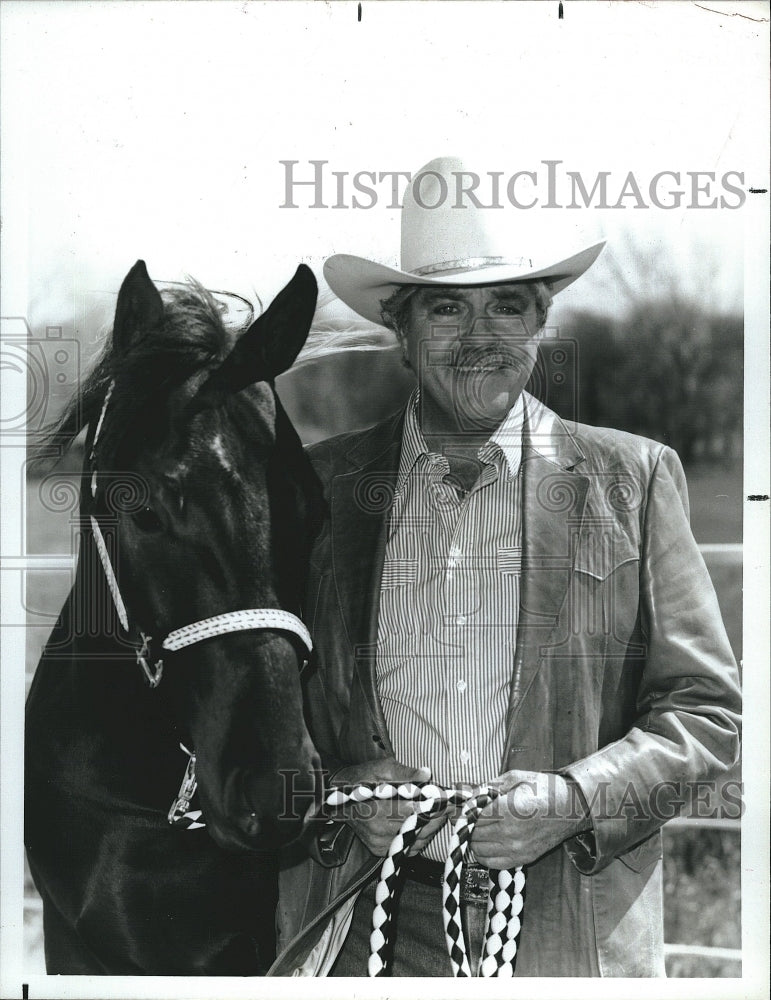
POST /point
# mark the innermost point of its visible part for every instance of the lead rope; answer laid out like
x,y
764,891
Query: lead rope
x,y
506,900
503,908
506,887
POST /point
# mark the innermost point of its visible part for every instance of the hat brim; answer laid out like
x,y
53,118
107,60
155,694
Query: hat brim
x,y
362,284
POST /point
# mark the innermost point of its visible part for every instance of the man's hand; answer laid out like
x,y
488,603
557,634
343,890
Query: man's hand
x,y
533,814
376,821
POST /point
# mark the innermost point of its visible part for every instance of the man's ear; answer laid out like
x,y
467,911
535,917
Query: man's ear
x,y
139,308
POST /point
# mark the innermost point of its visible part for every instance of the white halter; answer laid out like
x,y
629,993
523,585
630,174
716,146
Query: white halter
x,y
246,620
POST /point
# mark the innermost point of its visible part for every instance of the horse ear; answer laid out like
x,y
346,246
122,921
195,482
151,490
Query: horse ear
x,y
271,343
139,308
279,334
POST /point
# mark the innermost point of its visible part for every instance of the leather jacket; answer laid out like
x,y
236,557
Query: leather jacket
x,y
622,678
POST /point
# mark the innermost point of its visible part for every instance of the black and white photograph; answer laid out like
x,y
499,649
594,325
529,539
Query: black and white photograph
x,y
384,452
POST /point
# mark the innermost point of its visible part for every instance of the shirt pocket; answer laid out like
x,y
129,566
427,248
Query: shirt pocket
x,y
398,573
508,561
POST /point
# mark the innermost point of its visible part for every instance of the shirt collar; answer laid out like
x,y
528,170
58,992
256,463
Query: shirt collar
x,y
505,441
413,442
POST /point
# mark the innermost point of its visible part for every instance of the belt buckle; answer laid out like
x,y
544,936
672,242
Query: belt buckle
x,y
474,884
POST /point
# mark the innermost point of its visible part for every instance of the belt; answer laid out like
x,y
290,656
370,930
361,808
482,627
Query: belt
x,y
474,880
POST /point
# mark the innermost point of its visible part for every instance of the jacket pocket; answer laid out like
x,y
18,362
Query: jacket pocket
x,y
602,549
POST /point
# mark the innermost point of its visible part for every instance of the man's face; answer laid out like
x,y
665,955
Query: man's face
x,y
473,349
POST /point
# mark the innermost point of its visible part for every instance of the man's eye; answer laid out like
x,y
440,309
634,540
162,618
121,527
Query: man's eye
x,y
507,309
446,309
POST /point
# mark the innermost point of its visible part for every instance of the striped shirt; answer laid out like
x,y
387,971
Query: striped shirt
x,y
449,607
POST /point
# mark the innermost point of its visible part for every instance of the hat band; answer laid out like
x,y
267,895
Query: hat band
x,y
466,263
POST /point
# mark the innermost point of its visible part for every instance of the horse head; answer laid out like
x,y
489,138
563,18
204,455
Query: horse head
x,y
223,510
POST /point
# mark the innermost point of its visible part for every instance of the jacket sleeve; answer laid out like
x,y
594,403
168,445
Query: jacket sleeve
x,y
687,727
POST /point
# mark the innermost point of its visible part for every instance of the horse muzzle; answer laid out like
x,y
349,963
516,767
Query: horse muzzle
x,y
266,809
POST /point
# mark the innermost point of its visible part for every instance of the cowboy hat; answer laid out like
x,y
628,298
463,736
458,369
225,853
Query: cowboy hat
x,y
449,238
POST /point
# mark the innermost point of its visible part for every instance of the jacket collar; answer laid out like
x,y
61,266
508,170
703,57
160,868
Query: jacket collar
x,y
548,436
372,445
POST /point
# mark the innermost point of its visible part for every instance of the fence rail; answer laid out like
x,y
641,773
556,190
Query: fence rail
x,y
702,951
705,823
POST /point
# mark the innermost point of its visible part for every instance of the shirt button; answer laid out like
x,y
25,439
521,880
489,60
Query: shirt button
x,y
461,686
465,756
460,620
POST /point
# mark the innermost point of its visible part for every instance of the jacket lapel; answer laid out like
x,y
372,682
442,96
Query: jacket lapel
x,y
361,500
553,500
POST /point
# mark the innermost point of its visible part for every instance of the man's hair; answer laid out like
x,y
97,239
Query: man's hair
x,y
394,310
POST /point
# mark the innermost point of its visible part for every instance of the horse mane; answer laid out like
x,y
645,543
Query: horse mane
x,y
191,337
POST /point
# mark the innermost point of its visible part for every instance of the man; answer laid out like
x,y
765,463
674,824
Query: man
x,y
500,597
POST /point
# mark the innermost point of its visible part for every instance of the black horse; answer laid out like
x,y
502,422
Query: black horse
x,y
198,491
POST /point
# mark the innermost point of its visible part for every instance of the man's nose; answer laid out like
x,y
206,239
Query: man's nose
x,y
498,327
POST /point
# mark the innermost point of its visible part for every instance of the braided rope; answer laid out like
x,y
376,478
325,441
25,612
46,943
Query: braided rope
x,y
506,900
504,905
385,891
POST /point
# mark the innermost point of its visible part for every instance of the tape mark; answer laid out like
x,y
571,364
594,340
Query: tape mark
x,y
758,496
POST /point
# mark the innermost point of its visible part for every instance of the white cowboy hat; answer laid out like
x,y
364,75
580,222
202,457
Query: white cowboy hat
x,y
447,239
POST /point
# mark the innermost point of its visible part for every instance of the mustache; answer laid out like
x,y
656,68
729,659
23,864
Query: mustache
x,y
492,355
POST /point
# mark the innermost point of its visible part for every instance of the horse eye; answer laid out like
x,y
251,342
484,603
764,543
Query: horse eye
x,y
147,520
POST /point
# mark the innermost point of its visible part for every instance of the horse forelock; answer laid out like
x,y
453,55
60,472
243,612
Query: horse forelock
x,y
192,338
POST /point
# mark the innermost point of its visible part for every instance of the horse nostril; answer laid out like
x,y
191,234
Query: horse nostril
x,y
250,825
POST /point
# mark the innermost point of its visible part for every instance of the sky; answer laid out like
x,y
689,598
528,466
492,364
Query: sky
x,y
158,130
